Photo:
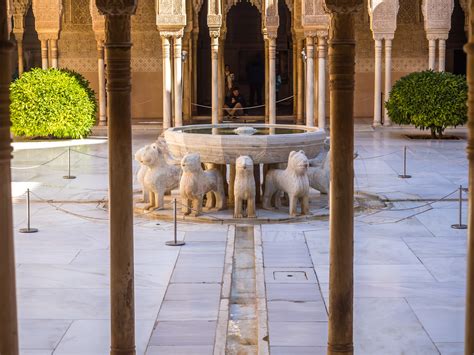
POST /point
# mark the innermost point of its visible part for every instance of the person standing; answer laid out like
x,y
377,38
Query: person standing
x,y
229,80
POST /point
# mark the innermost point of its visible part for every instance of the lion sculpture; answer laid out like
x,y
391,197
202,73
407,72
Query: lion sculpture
x,y
293,180
244,187
195,183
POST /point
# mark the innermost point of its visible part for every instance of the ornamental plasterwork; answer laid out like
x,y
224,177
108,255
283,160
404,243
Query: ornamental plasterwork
x,y
437,16
214,16
145,16
383,17
314,16
464,6
271,20
171,14
98,21
47,17
409,12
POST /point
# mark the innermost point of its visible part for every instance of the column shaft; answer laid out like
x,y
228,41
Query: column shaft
x,y
118,47
294,77
215,84
220,78
378,84
8,313
388,78
341,71
165,43
309,82
54,53
442,55
187,79
44,54
272,81
322,82
432,54
469,332
102,94
178,83
19,45
300,83
267,92
194,58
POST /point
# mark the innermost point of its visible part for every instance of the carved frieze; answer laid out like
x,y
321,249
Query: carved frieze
x,y
48,17
383,18
116,7
314,16
171,14
437,17
98,22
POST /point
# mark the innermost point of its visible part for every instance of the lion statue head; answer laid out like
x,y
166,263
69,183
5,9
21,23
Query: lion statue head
x,y
298,162
244,163
191,163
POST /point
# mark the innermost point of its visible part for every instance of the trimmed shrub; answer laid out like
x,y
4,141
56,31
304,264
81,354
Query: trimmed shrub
x,y
52,103
429,100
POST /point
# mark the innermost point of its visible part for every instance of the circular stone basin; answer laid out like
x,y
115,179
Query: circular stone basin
x,y
221,143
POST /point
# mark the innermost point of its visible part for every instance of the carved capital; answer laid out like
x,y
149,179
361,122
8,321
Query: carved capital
x,y
214,21
116,7
172,33
437,15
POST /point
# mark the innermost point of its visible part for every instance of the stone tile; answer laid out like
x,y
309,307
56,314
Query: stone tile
x,y
201,260
30,255
183,333
277,275
446,269
188,310
439,246
293,292
205,236
204,247
43,334
287,311
197,275
439,222
450,348
92,337
193,292
295,334
443,319
142,256
388,326
180,350
35,352
298,350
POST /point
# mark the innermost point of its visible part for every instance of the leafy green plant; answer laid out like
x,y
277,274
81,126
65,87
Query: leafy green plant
x,y
429,100
52,103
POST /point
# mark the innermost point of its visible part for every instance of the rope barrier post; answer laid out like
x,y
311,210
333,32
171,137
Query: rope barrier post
x,y
404,175
28,228
69,176
460,225
175,242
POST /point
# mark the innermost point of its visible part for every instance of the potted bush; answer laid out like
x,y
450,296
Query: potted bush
x,y
52,103
429,100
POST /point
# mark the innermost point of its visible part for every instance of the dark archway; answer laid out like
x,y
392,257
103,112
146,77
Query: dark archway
x,y
455,55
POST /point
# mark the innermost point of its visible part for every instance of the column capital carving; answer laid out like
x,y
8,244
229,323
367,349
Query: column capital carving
x,y
172,33
383,17
98,22
48,16
343,6
437,16
314,16
116,7
214,33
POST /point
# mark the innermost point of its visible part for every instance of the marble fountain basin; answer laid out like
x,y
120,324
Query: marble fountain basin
x,y
224,143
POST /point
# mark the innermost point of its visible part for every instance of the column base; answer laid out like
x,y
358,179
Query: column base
x,y
377,124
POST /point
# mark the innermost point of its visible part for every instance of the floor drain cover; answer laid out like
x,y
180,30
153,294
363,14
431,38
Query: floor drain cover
x,y
290,275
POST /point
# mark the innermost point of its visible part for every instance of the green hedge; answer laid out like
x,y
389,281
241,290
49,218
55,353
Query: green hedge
x,y
429,100
52,103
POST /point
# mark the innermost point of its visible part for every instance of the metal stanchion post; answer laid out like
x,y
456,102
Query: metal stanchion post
x,y
69,176
175,242
459,225
28,228
404,175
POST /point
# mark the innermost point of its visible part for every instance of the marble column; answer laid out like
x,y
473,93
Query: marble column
x,y
309,81
378,84
214,79
300,82
388,78
194,59
221,79
44,54
101,74
166,53
432,54
19,47
341,77
267,92
294,77
442,55
8,309
53,43
272,78
469,324
187,70
118,56
178,82
322,82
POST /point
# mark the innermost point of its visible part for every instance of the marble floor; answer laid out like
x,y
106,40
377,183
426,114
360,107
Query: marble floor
x,y
409,263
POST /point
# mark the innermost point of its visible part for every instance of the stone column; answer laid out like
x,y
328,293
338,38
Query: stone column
x,y
215,83
442,54
53,44
432,54
300,83
341,72
165,44
194,71
322,82
295,78
220,78
44,54
469,332
378,84
309,81
388,78
178,82
19,47
118,56
267,74
102,94
272,78
187,70
8,314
